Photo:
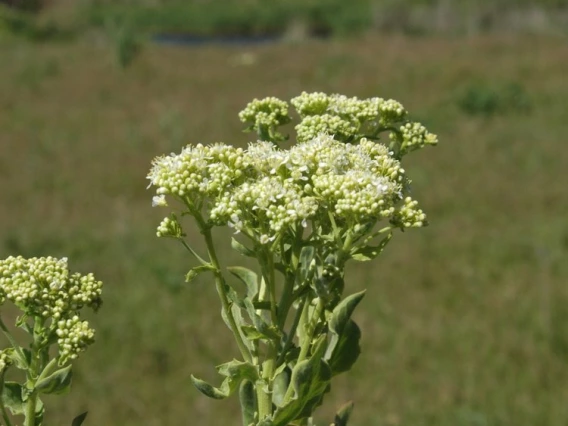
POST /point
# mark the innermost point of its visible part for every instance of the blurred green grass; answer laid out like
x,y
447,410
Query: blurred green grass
x,y
465,322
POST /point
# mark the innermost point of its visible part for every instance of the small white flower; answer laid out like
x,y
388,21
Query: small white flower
x,y
159,200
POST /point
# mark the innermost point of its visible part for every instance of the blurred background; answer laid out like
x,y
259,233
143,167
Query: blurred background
x,y
465,322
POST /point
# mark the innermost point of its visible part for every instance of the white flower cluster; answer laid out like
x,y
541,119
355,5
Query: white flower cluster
x,y
44,286
198,172
268,205
264,190
73,337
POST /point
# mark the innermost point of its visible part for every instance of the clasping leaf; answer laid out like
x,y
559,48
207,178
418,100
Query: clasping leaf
x,y
57,383
235,372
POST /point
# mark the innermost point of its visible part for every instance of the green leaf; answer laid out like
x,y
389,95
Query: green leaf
x,y
251,333
78,421
343,414
246,276
340,316
310,380
343,348
241,248
21,358
22,323
207,389
235,372
12,397
370,252
266,330
247,397
239,320
306,257
347,349
280,385
195,271
57,383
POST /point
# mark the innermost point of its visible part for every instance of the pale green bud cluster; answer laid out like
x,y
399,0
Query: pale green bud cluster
x,y
409,215
73,337
265,115
345,118
45,287
313,125
414,136
170,227
390,111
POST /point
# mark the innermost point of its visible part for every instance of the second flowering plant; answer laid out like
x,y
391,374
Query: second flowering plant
x,y
337,194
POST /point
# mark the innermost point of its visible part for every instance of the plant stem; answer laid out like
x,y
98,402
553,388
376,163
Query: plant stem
x,y
267,267
31,409
39,356
220,285
292,333
311,326
264,396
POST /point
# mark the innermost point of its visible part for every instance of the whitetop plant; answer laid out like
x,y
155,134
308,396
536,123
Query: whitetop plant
x,y
50,299
302,213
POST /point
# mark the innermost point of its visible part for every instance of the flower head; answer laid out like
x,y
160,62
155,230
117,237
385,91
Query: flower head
x,y
45,287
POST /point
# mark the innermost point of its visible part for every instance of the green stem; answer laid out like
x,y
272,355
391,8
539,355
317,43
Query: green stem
x,y
292,333
287,296
267,267
38,357
194,253
220,286
30,409
264,396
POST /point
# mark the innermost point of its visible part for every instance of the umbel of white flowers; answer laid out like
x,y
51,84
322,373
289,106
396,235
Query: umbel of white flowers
x,y
339,165
264,190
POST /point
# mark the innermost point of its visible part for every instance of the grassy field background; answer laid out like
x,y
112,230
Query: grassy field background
x,y
465,322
